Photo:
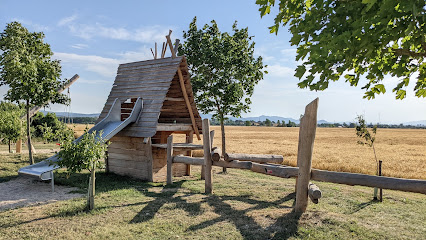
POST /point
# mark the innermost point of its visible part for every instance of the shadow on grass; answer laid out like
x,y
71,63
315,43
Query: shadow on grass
x,y
361,206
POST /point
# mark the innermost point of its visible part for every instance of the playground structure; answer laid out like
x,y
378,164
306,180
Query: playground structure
x,y
142,142
267,164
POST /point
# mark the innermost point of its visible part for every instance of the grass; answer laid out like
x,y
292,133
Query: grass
x,y
245,205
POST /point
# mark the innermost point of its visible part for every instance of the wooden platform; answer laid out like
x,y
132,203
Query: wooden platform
x,y
180,146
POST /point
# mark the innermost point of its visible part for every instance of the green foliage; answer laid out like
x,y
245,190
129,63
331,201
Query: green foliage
x,y
83,155
223,68
367,137
247,123
371,38
49,128
11,127
291,124
27,68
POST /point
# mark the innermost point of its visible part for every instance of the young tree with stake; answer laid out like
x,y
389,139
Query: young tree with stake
x,y
28,71
223,70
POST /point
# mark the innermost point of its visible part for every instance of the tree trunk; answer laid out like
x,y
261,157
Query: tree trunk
x,y
30,152
91,200
222,129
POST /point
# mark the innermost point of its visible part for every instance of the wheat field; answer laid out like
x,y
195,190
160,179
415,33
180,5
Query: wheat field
x,y
403,151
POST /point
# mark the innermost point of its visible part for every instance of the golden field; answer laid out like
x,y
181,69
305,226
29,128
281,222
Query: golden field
x,y
403,151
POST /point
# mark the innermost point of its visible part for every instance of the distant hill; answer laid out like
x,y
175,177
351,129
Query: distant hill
x,y
263,118
416,123
73,115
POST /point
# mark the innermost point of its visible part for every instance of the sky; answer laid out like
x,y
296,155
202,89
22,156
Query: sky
x,y
91,38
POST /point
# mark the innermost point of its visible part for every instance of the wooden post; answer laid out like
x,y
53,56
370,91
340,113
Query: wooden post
x,y
207,156
169,159
19,146
189,139
307,132
380,174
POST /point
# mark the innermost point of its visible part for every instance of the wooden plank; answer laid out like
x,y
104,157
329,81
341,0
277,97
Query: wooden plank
x,y
185,96
308,125
233,164
127,157
173,127
179,146
188,160
136,173
127,164
150,62
207,157
400,184
169,159
174,99
259,158
275,170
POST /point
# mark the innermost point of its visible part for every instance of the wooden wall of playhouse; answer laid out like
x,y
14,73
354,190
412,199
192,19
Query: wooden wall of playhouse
x,y
131,156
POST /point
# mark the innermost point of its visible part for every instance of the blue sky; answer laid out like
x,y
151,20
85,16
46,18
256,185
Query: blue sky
x,y
92,38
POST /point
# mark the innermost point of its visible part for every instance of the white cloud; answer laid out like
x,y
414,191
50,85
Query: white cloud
x,y
143,34
32,26
104,66
279,71
80,46
67,20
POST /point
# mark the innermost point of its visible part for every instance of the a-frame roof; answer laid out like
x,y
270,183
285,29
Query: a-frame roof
x,y
157,83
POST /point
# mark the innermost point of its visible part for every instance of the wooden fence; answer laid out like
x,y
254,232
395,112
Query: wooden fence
x,y
270,165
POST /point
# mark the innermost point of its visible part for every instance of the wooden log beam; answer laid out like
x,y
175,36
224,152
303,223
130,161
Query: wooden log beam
x,y
169,159
314,193
233,164
275,170
189,139
68,84
207,157
258,158
188,160
307,130
401,184
183,88
216,154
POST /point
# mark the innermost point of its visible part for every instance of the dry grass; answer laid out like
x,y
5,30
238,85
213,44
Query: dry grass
x,y
402,151
79,128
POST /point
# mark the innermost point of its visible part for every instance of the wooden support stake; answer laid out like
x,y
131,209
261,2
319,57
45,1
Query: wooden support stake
x,y
163,50
308,125
175,49
155,56
169,159
216,154
207,156
314,193
189,139
19,146
380,174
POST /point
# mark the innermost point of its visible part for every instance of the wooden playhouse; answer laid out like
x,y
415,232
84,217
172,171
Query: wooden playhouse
x,y
139,150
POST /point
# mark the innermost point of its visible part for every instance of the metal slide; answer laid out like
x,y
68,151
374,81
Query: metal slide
x,y
109,126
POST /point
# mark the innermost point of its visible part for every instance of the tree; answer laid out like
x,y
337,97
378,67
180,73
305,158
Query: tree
x,y
84,155
27,68
10,122
48,127
268,123
223,70
247,123
278,123
367,138
371,38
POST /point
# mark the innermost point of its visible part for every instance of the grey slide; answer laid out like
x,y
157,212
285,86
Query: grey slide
x,y
110,126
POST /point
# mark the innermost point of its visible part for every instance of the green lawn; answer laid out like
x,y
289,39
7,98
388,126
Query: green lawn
x,y
245,205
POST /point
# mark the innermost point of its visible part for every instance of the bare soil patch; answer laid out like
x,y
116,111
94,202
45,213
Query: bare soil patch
x,y
24,191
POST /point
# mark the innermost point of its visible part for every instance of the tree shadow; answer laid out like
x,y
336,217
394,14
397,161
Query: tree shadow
x,y
284,227
166,195
361,206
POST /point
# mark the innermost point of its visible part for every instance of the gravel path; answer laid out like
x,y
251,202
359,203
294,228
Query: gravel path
x,y
24,191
